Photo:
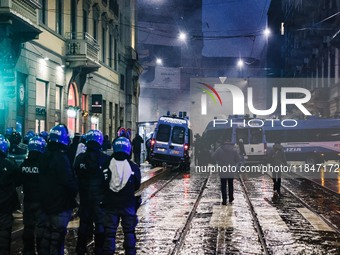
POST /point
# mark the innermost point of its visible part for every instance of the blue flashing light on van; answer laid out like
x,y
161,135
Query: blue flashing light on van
x,y
171,142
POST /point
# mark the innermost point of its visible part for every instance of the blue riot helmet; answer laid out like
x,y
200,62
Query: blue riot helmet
x,y
121,132
9,132
124,132
59,134
4,146
122,144
30,134
44,134
14,138
95,136
38,144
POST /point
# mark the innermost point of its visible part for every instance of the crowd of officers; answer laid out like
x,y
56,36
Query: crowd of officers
x,y
57,179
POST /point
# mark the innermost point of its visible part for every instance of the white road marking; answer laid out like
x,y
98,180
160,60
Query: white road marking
x,y
315,220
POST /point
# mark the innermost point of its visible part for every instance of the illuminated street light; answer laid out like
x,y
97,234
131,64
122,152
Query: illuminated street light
x,y
159,61
240,63
182,36
266,32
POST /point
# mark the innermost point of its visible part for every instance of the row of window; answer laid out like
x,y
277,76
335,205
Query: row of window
x,y
164,132
109,57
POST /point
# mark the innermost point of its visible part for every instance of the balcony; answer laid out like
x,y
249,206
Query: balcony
x,y
82,50
131,54
20,18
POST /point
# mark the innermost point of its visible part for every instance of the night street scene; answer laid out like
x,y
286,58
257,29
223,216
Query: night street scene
x,y
169,127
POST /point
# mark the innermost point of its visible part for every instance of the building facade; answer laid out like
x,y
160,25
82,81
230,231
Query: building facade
x,y
305,45
77,64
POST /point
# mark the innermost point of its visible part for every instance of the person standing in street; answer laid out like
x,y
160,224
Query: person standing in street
x,y
89,167
33,218
58,189
123,180
137,148
277,157
226,155
106,144
9,201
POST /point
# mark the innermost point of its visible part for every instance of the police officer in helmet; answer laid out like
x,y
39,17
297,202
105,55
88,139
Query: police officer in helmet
x,y
58,189
123,178
33,219
9,201
89,167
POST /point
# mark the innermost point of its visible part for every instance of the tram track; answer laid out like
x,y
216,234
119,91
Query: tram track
x,y
181,234
298,176
330,224
288,195
324,189
255,218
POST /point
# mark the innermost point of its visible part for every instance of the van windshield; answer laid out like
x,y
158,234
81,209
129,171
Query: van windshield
x,y
163,133
178,135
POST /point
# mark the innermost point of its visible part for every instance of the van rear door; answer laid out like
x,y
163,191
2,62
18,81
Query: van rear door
x,y
176,145
162,139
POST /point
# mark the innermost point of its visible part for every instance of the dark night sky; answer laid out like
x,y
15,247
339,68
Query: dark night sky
x,y
244,18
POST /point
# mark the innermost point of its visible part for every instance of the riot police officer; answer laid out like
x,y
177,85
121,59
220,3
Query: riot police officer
x,y
58,189
9,201
33,217
89,167
30,134
44,134
123,178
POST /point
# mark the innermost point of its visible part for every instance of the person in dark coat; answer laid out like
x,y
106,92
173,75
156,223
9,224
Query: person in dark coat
x,y
148,148
9,201
72,149
89,167
33,218
137,148
106,143
58,189
277,157
123,179
226,155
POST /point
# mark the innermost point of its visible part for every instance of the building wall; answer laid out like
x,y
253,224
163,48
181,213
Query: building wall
x,y
57,70
309,47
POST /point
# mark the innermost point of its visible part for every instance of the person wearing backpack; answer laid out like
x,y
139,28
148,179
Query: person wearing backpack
x,y
123,180
89,167
277,157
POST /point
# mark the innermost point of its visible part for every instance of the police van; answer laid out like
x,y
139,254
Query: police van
x,y
171,141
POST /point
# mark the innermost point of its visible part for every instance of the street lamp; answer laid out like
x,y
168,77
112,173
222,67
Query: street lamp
x,y
240,63
182,36
159,61
266,32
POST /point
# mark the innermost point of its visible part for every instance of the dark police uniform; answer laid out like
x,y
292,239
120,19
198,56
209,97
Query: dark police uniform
x,y
58,189
9,201
121,205
33,216
89,168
